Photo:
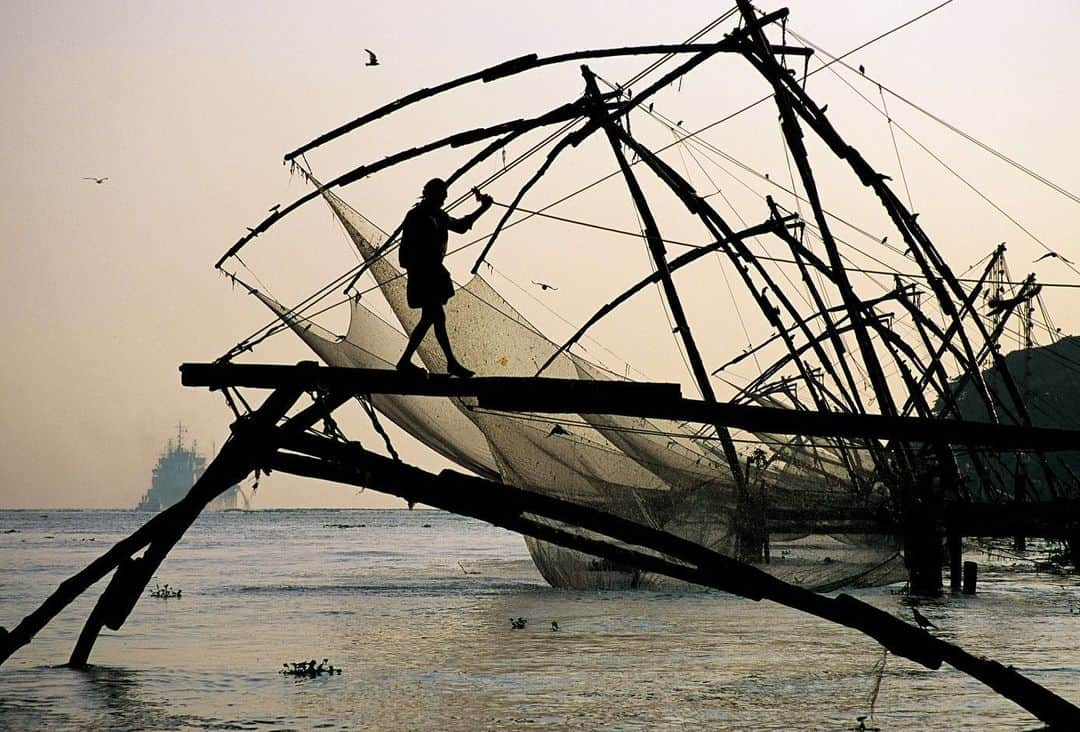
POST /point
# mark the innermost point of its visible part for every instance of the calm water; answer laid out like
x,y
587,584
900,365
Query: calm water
x,y
418,617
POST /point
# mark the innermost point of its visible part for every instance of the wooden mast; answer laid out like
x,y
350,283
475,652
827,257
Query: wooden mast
x,y
749,543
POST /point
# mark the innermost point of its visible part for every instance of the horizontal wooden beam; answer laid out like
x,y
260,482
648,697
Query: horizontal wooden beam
x,y
628,398
1051,519
753,418
308,375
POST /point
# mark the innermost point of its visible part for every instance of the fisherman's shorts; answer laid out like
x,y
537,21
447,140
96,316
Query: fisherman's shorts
x,y
428,286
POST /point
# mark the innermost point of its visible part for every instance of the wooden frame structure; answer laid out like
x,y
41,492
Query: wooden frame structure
x,y
904,437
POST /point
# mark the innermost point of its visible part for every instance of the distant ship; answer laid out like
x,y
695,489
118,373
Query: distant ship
x,y
176,471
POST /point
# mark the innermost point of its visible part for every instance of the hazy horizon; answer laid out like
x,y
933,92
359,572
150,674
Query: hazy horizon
x,y
189,109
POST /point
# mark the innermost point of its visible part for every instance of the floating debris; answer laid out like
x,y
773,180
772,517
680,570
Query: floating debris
x,y
518,623
309,668
165,592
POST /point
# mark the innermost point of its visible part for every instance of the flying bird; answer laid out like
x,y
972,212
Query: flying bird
x,y
1052,254
921,619
99,181
372,60
544,286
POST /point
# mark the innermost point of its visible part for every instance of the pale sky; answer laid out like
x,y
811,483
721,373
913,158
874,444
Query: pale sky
x,y
188,109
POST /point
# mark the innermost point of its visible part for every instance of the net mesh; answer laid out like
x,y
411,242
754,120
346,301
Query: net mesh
x,y
657,473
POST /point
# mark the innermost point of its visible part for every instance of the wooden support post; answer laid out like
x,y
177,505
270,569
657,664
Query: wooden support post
x,y
748,534
971,576
956,558
238,457
1019,494
112,607
922,550
132,576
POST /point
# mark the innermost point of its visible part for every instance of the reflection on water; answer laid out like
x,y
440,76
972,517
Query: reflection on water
x,y
419,619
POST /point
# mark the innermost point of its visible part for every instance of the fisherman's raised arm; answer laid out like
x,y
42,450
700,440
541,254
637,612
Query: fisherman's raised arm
x,y
460,226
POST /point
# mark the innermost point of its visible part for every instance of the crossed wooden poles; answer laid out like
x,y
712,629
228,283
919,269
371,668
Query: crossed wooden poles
x,y
269,439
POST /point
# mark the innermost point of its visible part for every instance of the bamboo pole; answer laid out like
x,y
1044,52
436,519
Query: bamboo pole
x,y
247,431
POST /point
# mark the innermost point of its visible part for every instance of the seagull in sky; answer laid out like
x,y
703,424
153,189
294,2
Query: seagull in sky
x,y
1052,254
99,181
372,59
544,285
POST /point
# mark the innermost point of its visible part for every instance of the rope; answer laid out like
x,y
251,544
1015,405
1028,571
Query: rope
x,y
941,162
374,417
896,148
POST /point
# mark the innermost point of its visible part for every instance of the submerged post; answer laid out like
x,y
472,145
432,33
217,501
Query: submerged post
x,y
971,576
956,557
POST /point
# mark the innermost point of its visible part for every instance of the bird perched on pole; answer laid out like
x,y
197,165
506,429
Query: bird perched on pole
x,y
921,619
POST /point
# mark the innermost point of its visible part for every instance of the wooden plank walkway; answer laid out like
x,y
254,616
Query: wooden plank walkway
x,y
627,398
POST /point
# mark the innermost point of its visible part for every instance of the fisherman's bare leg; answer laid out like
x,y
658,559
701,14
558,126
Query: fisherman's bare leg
x,y
438,319
418,333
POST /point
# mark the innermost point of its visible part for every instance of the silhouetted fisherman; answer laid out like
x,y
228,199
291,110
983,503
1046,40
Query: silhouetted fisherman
x,y
423,246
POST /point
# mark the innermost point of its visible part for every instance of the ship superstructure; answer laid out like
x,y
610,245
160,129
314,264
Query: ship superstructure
x,y
177,469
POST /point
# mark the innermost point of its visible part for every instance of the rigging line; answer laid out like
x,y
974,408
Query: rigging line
x,y
536,147
664,306
782,260
600,227
824,291
520,159
947,167
896,148
739,111
983,196
558,315
761,176
837,59
954,172
720,260
667,57
572,122
984,146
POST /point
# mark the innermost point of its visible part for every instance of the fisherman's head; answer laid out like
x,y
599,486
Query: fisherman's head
x,y
435,191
